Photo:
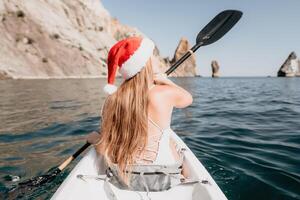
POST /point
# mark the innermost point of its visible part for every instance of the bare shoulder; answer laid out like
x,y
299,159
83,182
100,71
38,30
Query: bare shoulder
x,y
160,93
160,88
171,95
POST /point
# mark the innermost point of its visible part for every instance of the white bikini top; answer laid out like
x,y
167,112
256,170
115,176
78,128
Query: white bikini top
x,y
157,150
164,155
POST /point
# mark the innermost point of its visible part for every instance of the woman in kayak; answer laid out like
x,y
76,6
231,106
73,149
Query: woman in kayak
x,y
136,116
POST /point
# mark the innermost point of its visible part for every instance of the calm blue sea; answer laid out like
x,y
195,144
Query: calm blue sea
x,y
246,131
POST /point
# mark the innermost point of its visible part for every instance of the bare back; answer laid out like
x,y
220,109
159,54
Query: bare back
x,y
159,112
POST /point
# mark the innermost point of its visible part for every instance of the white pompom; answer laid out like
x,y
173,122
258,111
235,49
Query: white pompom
x,y
109,88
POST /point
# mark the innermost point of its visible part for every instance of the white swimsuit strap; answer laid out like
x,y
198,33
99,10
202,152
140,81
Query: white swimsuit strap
x,y
155,124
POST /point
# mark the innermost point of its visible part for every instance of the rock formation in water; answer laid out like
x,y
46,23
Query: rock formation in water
x,y
298,72
215,69
58,38
290,67
188,68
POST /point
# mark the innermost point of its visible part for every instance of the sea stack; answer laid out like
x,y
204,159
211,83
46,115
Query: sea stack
x,y
298,72
290,67
215,69
188,68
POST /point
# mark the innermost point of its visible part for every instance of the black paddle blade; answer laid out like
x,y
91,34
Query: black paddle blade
x,y
218,27
29,187
39,180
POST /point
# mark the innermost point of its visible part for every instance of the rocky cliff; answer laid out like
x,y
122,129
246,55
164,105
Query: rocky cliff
x,y
59,39
290,67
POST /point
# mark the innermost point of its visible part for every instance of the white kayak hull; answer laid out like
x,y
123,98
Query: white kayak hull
x,y
74,188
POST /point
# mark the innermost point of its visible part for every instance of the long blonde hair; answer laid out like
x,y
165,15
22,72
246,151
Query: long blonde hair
x,y
124,124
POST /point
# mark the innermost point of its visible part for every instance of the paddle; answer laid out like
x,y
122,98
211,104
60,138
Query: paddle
x,y
212,32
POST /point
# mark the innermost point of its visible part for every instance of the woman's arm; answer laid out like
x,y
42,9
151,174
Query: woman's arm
x,y
179,96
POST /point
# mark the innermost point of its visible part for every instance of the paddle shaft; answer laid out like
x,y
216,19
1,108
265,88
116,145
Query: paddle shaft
x,y
73,157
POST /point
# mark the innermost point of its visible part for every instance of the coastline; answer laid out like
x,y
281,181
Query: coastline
x,y
52,77
104,77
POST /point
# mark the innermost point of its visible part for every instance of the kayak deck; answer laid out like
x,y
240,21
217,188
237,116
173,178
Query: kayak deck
x,y
91,164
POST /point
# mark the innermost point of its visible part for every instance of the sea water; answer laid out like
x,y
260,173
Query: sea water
x,y
245,131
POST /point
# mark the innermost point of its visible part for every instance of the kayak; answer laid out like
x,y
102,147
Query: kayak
x,y
74,188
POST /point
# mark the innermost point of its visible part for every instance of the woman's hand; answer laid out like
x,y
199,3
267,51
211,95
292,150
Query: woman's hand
x,y
162,79
93,138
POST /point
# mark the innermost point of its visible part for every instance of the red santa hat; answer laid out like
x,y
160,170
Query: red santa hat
x,y
130,55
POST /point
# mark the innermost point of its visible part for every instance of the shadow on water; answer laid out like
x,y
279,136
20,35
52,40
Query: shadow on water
x,y
244,130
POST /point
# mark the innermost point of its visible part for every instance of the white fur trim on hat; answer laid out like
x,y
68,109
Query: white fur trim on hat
x,y
138,60
109,88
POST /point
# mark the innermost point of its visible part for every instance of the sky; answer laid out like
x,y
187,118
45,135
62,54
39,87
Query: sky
x,y
257,46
